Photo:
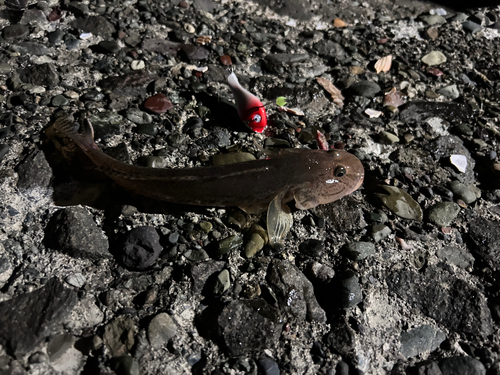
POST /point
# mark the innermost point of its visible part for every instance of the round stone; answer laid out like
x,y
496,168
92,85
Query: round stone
x,y
434,58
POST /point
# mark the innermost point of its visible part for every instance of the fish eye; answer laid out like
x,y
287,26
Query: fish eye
x,y
257,118
339,171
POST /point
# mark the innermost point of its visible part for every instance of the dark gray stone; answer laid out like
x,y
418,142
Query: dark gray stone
x,y
461,365
485,235
268,366
15,32
30,48
294,291
56,36
329,48
286,58
352,293
195,53
443,214
201,272
360,250
416,111
455,255
40,75
28,319
141,248
367,89
425,338
449,301
165,47
249,326
73,231
34,172
59,101
109,46
96,25
472,27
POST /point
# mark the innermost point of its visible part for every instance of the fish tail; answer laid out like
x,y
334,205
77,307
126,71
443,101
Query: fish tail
x,y
84,139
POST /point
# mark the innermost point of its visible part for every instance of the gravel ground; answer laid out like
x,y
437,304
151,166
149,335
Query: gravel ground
x,y
400,277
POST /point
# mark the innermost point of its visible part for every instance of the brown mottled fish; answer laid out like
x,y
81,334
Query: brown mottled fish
x,y
311,177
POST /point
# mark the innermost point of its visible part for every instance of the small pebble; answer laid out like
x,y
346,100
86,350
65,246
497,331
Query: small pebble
x,y
137,65
77,280
158,103
223,282
379,232
472,27
443,214
462,192
228,244
59,101
434,58
460,162
388,138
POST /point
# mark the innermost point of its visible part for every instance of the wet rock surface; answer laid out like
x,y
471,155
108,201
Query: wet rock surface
x,y
400,277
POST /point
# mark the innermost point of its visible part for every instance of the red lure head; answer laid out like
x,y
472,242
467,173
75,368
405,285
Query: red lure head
x,y
255,118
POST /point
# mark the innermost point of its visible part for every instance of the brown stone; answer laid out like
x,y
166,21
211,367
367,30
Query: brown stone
x,y
158,103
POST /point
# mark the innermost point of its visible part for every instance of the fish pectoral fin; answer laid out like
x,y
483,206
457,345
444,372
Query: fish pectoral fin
x,y
305,199
279,220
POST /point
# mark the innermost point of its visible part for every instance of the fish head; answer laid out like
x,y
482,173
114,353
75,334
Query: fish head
x,y
255,118
336,173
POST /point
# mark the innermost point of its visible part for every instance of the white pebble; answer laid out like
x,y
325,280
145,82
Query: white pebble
x,y
137,65
460,162
77,280
85,36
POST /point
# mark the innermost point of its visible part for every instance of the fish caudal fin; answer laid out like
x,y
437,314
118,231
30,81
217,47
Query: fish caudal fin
x,y
85,139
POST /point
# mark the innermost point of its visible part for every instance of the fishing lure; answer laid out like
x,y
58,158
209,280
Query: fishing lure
x,y
250,108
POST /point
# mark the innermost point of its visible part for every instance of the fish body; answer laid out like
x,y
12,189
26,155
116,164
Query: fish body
x,y
250,108
311,177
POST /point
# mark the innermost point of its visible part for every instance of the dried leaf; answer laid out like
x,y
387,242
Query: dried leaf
x,y
394,98
293,111
383,64
336,94
321,139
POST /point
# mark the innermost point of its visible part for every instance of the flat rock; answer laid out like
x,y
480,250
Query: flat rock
x,y
28,319
455,255
73,231
249,326
119,335
40,75
400,202
16,31
161,330
444,298
367,89
462,365
485,235
434,58
294,291
443,214
425,338
30,48
34,172
96,25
